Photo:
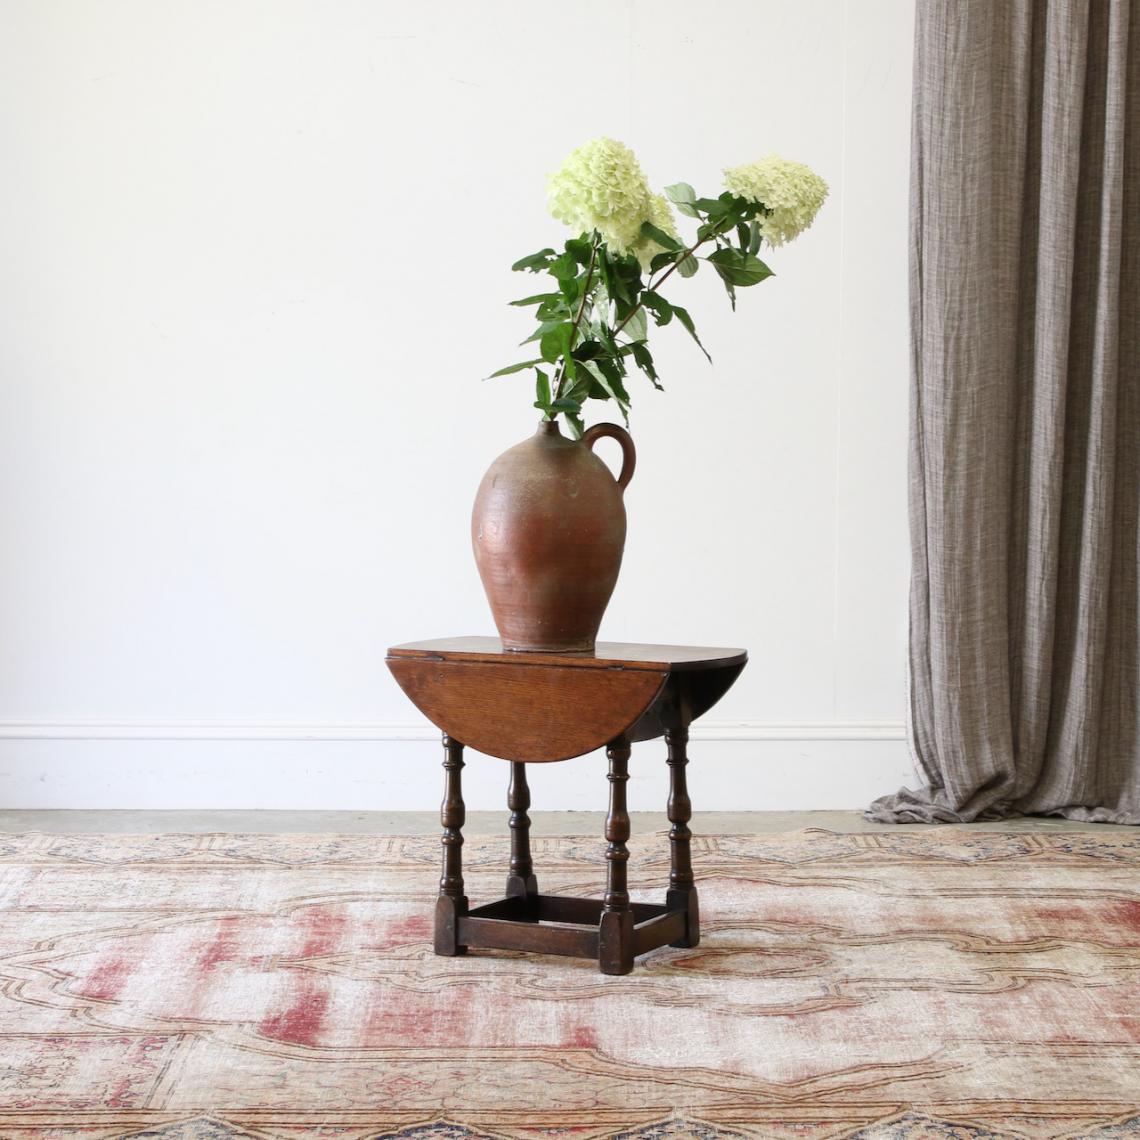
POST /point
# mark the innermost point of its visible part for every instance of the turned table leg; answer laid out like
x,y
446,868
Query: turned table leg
x,y
682,893
615,930
521,879
452,902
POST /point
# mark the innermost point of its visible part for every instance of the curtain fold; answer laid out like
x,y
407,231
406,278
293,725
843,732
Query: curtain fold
x,y
1024,660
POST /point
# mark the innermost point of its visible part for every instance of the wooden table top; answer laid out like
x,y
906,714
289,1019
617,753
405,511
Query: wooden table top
x,y
606,655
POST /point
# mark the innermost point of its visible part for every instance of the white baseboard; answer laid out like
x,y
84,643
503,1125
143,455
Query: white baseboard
x,y
410,730
736,766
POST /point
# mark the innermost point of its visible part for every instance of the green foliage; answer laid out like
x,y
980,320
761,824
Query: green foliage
x,y
683,316
592,322
542,391
739,268
535,262
660,308
513,368
666,241
683,196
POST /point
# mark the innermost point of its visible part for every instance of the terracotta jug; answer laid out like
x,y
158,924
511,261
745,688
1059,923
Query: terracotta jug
x,y
549,531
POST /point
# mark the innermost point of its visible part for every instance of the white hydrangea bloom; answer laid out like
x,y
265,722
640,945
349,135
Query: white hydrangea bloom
x,y
645,249
791,190
601,187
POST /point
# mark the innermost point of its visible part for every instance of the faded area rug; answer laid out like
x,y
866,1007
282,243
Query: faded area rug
x,y
952,983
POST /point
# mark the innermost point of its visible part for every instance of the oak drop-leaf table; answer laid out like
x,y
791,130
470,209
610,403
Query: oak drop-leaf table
x,y
530,708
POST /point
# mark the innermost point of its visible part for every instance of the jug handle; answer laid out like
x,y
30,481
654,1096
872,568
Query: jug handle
x,y
628,453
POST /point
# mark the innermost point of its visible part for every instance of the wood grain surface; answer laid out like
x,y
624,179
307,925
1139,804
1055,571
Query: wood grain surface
x,y
522,713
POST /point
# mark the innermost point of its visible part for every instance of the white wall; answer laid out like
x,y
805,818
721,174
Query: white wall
x,y
253,261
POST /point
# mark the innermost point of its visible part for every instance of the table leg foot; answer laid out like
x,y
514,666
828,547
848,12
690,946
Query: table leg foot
x,y
615,942
519,887
448,911
686,900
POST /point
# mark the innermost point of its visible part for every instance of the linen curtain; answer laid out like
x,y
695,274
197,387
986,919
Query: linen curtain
x,y
1024,459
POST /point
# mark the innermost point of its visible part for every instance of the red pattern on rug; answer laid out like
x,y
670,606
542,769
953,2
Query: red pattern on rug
x,y
886,985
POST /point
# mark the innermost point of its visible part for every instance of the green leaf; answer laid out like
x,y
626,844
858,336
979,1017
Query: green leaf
x,y
566,404
682,195
625,283
716,227
737,268
628,268
688,265
662,310
580,393
661,260
577,428
587,350
754,237
644,361
542,390
742,236
611,385
555,342
564,267
683,316
680,192
579,248
660,236
637,327
614,368
714,207
543,330
538,298
606,336
571,288
602,265
535,262
514,368
615,283
555,307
